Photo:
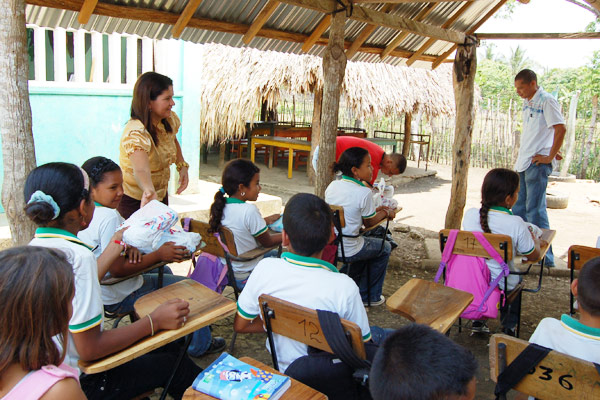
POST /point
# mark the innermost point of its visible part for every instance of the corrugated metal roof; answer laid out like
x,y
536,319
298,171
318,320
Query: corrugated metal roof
x,y
286,18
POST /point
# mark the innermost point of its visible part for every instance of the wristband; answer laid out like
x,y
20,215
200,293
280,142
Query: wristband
x,y
151,324
122,243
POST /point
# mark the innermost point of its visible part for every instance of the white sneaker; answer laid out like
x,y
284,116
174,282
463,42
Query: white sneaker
x,y
376,303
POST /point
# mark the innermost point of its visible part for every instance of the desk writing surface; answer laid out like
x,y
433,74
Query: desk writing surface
x,y
296,391
206,307
547,235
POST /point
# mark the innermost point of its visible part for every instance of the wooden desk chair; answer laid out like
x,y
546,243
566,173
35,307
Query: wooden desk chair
x,y
214,247
579,255
302,324
339,222
467,245
556,376
429,303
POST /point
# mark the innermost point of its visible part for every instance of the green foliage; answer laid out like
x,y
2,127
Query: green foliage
x,y
496,82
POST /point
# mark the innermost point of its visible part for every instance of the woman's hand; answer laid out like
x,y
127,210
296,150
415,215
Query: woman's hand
x,y
148,196
170,252
170,314
183,179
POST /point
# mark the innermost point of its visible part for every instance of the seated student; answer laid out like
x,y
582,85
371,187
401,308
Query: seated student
x,y
499,193
106,182
577,338
33,311
417,362
58,201
357,201
241,183
301,277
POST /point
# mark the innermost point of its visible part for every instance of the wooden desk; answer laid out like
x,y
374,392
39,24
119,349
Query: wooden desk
x,y
297,390
547,235
290,144
206,307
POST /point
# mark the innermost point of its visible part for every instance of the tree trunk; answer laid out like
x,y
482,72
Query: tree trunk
x,y
570,137
15,125
316,133
222,150
334,68
588,142
407,134
465,66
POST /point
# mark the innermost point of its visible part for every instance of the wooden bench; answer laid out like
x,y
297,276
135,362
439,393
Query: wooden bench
x,y
273,141
579,255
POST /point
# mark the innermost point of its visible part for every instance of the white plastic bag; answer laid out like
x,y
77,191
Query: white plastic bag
x,y
147,224
190,240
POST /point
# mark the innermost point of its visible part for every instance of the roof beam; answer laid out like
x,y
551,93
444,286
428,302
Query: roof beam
x,y
370,16
411,1
431,41
402,35
185,17
471,31
164,17
260,20
364,34
316,34
87,8
594,3
521,36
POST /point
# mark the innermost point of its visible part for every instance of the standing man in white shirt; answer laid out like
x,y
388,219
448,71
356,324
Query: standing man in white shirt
x,y
543,134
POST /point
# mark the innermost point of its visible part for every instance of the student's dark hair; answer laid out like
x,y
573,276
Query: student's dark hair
x,y
352,157
399,161
588,287
497,184
96,167
64,182
417,362
236,172
148,87
307,220
526,75
36,287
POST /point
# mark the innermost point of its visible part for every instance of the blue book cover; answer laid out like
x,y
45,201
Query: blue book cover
x,y
228,378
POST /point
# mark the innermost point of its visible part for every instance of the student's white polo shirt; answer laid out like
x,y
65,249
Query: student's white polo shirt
x,y
246,223
357,201
98,235
87,303
308,282
502,221
569,336
540,114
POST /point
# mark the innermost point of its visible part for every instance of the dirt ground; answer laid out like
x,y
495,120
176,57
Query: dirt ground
x,y
425,201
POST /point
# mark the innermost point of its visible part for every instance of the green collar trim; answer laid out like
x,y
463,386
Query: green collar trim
x,y
233,200
309,262
98,204
501,209
49,233
577,327
347,178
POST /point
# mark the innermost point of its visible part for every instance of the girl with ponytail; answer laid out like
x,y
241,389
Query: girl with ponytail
x,y
499,193
241,183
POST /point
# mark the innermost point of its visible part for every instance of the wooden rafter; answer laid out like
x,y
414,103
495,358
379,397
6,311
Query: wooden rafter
x,y
594,3
364,34
87,8
471,31
402,35
185,17
524,36
316,34
449,22
371,16
164,17
260,20
412,1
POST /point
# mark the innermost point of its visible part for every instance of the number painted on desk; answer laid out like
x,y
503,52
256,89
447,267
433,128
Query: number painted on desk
x,y
546,375
470,242
313,330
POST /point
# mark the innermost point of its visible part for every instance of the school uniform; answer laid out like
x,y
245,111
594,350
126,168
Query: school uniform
x,y
87,302
246,224
308,282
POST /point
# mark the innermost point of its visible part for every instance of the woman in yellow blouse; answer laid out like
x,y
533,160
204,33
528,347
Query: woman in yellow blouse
x,y
149,145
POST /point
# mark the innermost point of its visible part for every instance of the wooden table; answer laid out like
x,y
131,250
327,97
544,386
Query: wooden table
x,y
395,143
274,141
297,390
206,307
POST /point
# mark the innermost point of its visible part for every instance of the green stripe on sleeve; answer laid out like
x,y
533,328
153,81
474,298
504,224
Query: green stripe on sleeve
x,y
84,326
367,337
263,230
529,252
244,314
370,215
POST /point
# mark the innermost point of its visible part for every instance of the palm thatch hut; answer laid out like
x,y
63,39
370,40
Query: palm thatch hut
x,y
237,81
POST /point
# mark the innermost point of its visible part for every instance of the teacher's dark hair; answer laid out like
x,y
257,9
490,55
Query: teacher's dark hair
x,y
352,157
147,88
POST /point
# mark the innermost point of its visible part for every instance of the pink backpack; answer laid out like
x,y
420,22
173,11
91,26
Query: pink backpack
x,y
471,274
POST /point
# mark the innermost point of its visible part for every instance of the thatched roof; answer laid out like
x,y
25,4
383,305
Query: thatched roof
x,y
236,81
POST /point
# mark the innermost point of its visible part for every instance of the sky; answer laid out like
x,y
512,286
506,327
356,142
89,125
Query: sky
x,y
543,16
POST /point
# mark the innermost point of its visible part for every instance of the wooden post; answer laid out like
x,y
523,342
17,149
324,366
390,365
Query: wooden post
x,y
407,134
316,133
465,66
18,151
334,69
